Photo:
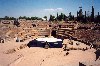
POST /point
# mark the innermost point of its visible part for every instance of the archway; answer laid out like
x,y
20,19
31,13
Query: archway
x,y
53,33
1,40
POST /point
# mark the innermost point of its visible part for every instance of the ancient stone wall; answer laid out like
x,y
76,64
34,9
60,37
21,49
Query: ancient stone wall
x,y
11,22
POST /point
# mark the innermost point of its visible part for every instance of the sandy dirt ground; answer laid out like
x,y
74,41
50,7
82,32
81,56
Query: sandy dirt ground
x,y
36,56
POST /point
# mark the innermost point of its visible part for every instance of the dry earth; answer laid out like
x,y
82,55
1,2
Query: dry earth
x,y
12,55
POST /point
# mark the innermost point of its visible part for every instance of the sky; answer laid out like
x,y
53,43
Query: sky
x,y
41,8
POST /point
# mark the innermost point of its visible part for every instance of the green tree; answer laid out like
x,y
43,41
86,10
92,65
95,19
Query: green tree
x,y
24,17
61,17
6,18
12,18
45,17
52,18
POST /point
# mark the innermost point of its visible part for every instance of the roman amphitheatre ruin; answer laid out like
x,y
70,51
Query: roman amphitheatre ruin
x,y
14,40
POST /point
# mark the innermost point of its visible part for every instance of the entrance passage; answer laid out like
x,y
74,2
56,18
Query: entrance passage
x,y
53,33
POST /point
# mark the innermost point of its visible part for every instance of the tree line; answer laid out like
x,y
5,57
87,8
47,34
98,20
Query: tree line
x,y
21,17
83,18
